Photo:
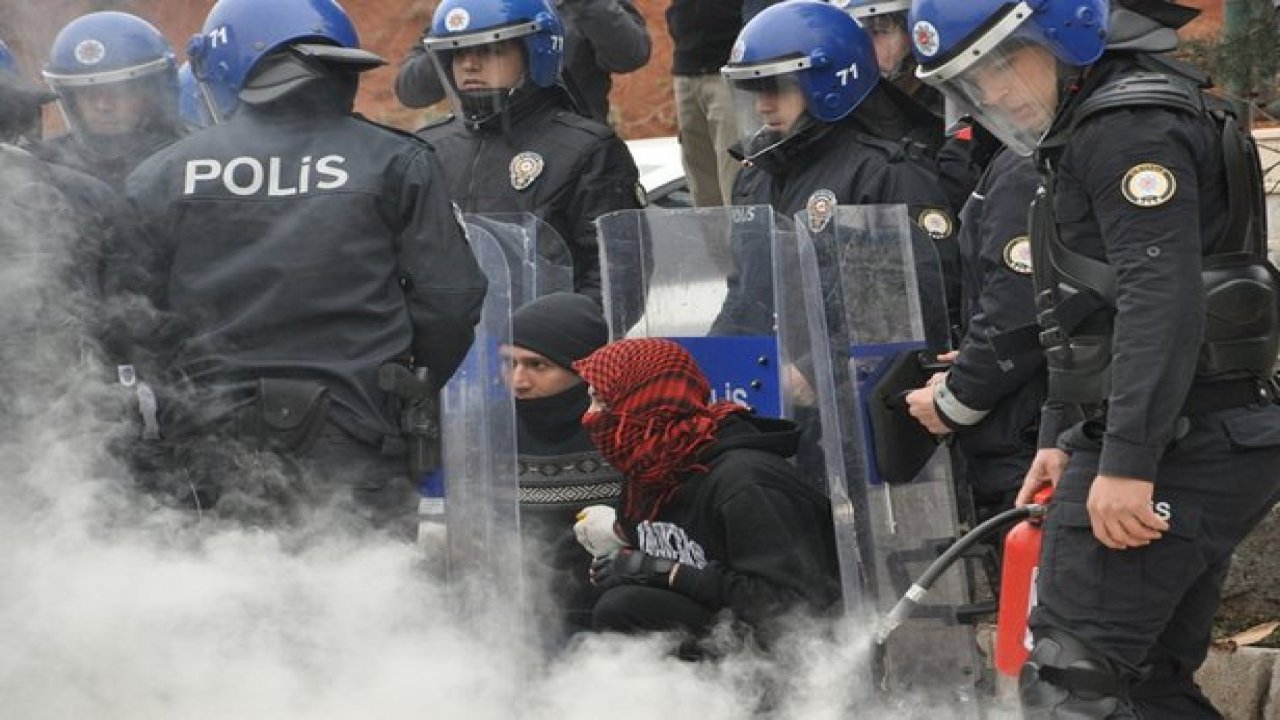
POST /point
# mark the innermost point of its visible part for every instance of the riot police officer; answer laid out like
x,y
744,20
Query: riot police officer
x,y
298,249
802,149
515,143
990,397
116,82
903,106
601,37
1148,243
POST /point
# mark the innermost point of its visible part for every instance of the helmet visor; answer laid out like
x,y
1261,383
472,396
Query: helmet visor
x,y
770,110
479,78
97,113
1011,88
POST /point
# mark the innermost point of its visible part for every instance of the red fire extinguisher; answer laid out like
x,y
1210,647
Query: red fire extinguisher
x,y
1017,590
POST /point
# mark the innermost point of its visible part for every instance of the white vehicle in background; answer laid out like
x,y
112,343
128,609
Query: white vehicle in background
x,y
661,172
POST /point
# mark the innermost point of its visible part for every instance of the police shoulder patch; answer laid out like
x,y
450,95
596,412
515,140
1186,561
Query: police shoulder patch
x,y
936,222
820,207
525,168
1017,255
1148,185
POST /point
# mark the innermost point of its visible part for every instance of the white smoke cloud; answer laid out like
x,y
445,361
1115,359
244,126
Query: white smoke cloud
x,y
115,608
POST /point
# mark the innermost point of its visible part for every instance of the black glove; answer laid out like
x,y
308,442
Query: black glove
x,y
631,567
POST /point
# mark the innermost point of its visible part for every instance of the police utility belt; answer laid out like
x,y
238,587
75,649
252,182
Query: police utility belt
x,y
1075,294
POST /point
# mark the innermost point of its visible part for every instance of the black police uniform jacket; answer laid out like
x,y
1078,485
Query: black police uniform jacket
x,y
311,244
1155,243
857,169
995,397
542,158
757,539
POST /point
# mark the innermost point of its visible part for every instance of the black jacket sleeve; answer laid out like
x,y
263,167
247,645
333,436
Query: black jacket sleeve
x,y
616,31
608,181
1156,252
978,380
444,286
417,82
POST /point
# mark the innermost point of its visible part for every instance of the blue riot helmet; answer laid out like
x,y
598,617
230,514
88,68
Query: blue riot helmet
x,y
488,51
1006,62
886,23
266,49
191,105
116,82
796,65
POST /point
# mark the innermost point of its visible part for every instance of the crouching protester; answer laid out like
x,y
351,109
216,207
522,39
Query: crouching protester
x,y
561,472
715,523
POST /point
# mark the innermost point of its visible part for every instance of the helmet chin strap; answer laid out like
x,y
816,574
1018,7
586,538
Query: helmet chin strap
x,y
766,143
481,108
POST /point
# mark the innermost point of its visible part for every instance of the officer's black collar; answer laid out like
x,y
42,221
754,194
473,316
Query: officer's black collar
x,y
1075,92
524,103
787,155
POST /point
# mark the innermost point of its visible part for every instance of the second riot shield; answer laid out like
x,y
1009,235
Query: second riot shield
x,y
473,504
861,278
538,260
663,277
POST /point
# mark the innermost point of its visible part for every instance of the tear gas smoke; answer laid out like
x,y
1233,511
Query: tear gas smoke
x,y
115,607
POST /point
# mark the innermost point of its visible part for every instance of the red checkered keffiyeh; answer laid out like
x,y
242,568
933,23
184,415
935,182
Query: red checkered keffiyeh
x,y
656,417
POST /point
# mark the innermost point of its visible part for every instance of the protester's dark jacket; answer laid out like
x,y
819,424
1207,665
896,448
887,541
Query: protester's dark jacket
x,y
857,169
338,254
755,538
601,37
585,171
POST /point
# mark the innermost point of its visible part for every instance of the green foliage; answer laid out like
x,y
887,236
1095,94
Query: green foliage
x,y
1248,59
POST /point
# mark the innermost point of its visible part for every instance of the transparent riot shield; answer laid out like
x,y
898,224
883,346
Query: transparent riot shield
x,y
480,522
664,277
863,281
538,259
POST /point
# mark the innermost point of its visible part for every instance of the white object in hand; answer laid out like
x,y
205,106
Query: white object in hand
x,y
596,530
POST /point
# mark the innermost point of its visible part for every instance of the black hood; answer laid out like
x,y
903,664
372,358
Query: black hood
x,y
774,435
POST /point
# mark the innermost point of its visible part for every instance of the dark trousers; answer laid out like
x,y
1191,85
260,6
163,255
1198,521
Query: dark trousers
x,y
636,608
1149,610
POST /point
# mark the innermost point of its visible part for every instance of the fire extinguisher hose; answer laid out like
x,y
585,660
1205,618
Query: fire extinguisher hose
x,y
909,601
